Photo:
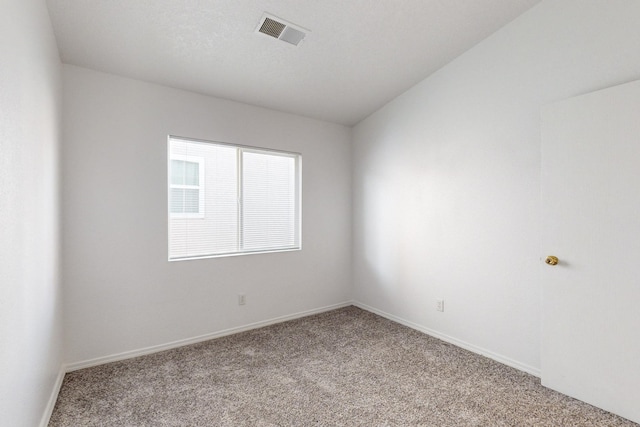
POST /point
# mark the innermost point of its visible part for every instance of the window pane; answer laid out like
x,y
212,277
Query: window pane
x,y
185,200
216,230
177,172
191,201
269,201
185,173
176,201
191,173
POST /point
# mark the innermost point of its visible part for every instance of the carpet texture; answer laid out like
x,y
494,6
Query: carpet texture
x,y
346,367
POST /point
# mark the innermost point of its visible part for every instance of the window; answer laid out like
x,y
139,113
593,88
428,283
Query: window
x,y
187,187
227,199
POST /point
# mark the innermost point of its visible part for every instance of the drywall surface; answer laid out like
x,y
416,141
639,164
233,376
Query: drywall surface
x,y
30,294
446,177
121,293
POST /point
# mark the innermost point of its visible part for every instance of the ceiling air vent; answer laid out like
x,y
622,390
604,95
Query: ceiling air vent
x,y
281,30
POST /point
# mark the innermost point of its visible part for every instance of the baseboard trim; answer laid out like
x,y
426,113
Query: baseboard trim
x,y
467,346
179,343
57,385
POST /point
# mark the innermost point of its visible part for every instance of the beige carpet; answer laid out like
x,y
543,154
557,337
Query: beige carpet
x,y
347,367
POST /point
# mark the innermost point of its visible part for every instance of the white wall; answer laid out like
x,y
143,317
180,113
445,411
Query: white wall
x,y
121,294
30,295
446,177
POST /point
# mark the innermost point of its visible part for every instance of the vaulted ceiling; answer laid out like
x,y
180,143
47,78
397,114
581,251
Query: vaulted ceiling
x,y
358,54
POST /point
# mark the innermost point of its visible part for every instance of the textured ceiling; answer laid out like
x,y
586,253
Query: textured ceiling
x,y
359,54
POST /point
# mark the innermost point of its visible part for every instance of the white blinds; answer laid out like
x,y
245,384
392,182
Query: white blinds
x,y
226,200
269,200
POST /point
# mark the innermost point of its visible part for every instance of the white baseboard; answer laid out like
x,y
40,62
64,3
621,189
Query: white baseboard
x,y
48,410
162,347
479,350
168,346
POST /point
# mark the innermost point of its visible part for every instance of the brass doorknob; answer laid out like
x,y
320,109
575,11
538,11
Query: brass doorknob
x,y
551,260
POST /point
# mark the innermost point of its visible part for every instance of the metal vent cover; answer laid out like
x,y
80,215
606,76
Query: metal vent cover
x,y
281,29
272,27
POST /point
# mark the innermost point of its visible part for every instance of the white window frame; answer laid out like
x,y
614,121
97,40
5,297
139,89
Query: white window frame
x,y
200,187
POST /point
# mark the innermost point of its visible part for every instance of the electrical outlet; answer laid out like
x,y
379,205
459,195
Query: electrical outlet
x,y
440,304
242,299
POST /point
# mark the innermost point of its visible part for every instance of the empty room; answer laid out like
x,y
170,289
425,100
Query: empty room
x,y
328,213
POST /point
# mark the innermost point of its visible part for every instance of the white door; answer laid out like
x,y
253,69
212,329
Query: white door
x,y
591,222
